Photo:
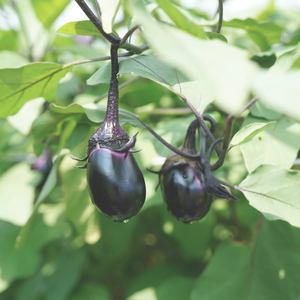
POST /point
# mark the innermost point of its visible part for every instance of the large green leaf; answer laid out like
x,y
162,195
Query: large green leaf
x,y
269,269
48,11
264,33
224,70
281,187
249,131
152,68
181,20
79,28
277,145
17,194
28,82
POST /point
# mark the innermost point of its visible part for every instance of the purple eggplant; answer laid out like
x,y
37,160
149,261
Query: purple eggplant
x,y
115,182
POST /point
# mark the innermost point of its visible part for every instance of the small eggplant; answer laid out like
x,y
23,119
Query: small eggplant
x,y
116,184
184,193
187,185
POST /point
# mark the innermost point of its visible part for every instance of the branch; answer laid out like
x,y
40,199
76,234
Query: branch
x,y
220,16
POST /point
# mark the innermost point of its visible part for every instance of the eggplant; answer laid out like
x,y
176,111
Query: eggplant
x,y
115,182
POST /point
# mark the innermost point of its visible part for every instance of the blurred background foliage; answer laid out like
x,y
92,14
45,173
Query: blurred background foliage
x,y
54,244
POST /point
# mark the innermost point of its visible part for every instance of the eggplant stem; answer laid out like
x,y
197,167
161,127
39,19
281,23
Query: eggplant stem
x,y
78,159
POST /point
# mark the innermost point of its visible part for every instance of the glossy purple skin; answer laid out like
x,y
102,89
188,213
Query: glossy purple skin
x,y
183,193
116,184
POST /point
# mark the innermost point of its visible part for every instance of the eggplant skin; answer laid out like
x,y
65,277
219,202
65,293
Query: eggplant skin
x,y
116,184
184,193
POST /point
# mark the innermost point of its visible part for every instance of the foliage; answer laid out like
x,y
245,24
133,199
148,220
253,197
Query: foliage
x,y
56,245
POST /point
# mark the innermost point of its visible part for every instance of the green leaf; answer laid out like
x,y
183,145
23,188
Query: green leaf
x,y
249,131
214,35
277,145
79,28
264,33
280,92
17,194
28,82
281,187
266,270
152,68
48,11
264,60
205,60
108,13
181,19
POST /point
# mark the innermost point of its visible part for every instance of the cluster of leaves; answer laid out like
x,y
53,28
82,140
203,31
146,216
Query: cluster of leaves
x,y
55,245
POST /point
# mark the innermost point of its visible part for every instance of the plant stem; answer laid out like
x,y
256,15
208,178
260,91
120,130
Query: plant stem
x,y
220,16
112,111
120,87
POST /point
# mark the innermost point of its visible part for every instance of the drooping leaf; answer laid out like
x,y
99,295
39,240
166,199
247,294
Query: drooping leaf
x,y
17,194
79,28
182,20
264,33
249,131
48,11
108,13
148,66
266,270
282,188
223,69
28,82
277,145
